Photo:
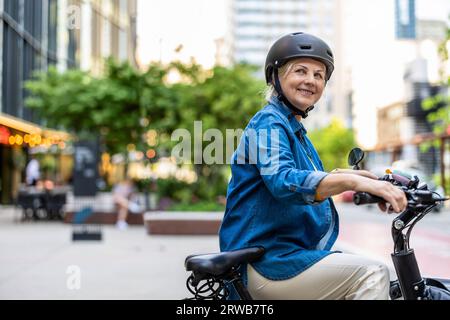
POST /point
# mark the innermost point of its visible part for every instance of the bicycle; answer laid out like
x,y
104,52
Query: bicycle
x,y
213,274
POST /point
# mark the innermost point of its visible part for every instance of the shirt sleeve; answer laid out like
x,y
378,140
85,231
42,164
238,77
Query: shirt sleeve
x,y
268,147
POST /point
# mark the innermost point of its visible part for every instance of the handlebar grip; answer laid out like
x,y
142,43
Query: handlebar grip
x,y
360,198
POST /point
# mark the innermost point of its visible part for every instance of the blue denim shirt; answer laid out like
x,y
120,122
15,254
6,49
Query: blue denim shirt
x,y
271,196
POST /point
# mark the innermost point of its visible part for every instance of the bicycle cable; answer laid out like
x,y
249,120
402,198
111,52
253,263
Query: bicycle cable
x,y
212,289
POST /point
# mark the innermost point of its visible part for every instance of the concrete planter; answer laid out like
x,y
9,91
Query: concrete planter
x,y
103,208
183,223
106,218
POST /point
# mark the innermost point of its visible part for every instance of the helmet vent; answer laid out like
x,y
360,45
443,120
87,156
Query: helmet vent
x,y
330,53
305,47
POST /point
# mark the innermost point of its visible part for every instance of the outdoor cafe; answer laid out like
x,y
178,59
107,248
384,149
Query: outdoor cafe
x,y
42,202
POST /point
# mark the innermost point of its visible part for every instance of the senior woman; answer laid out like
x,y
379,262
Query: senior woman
x,y
279,195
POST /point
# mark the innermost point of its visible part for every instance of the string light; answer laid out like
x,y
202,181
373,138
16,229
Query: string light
x,y
19,139
151,153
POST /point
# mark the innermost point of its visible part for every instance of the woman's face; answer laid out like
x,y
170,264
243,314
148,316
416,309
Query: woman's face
x,y
303,82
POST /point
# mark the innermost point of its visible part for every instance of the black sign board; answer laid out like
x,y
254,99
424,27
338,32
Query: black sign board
x,y
85,173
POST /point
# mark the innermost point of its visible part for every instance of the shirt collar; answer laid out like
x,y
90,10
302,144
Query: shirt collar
x,y
285,111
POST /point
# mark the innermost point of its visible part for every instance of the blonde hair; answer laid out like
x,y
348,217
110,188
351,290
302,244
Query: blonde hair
x,y
270,91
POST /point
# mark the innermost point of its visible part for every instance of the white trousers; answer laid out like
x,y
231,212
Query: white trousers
x,y
338,276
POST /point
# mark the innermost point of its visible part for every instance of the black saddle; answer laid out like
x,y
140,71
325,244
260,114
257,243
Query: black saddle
x,y
217,264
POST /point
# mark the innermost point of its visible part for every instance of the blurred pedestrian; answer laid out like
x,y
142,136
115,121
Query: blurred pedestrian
x,y
123,193
32,171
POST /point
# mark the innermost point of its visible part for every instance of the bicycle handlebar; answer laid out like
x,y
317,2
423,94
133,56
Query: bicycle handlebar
x,y
415,197
360,198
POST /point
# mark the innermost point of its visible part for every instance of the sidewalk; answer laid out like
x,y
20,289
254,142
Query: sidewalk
x,y
125,265
36,257
368,233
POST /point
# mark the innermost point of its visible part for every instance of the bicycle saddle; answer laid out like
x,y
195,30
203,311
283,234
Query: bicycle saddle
x,y
217,264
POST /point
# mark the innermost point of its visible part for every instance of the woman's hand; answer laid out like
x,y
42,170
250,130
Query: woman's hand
x,y
341,180
370,175
363,173
393,195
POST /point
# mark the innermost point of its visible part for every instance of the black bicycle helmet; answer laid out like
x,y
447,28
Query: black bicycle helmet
x,y
296,45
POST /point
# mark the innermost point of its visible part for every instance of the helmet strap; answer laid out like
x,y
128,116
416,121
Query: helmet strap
x,y
282,97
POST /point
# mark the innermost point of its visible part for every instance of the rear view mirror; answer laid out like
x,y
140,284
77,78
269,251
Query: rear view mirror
x,y
355,157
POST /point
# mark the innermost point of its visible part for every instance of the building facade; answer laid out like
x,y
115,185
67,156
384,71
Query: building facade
x,y
255,25
37,34
103,28
404,127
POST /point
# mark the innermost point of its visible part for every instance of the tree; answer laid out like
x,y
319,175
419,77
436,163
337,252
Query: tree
x,y
440,118
224,98
115,107
333,143
123,104
439,106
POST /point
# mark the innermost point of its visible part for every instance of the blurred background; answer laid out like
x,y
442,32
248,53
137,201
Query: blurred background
x,y
91,92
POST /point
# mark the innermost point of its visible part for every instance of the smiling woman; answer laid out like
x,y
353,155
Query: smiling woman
x,y
304,81
282,201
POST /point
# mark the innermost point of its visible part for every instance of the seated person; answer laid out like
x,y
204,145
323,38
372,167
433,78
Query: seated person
x,y
123,193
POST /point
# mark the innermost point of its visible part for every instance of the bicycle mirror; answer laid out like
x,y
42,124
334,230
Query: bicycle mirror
x,y
355,157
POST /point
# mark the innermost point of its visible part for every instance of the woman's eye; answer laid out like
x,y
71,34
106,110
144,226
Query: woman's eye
x,y
301,71
318,76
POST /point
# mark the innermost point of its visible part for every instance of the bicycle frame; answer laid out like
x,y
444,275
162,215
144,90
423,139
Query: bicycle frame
x,y
410,280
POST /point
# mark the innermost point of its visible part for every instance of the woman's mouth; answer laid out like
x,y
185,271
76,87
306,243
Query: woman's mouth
x,y
305,92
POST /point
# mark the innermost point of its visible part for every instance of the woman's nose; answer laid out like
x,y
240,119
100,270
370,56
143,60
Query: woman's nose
x,y
309,78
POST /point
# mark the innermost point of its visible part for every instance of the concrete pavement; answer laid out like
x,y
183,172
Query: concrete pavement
x,y
368,232
38,260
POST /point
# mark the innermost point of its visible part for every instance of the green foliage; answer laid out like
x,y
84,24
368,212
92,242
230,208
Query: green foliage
x,y
48,165
48,162
439,116
174,189
226,99
111,107
61,98
199,206
439,105
333,143
438,182
120,107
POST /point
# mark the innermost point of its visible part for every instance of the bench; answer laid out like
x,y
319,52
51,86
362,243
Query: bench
x,y
102,217
183,223
103,208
